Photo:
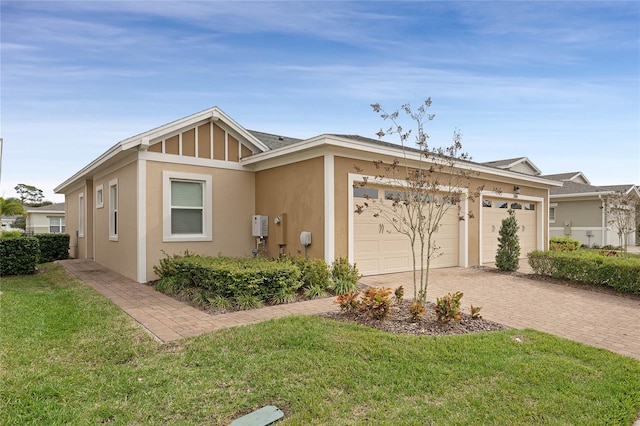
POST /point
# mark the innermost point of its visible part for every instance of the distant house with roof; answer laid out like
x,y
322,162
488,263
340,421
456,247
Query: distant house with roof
x,y
577,208
49,219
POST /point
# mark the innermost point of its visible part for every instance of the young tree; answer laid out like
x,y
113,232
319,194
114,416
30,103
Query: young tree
x,y
621,208
29,194
426,184
508,255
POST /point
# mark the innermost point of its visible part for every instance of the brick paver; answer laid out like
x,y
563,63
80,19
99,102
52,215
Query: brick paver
x,y
597,319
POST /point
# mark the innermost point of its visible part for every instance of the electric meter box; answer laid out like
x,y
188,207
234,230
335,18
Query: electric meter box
x,y
260,226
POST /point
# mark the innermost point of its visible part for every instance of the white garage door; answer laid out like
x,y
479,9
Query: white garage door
x,y
493,212
379,248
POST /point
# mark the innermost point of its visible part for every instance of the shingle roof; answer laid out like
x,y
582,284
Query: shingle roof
x,y
273,141
501,163
570,187
560,176
58,207
617,188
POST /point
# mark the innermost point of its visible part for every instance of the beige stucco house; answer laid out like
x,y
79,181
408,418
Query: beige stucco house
x,y
197,184
48,219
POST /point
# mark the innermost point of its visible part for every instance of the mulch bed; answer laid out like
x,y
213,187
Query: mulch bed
x,y
399,321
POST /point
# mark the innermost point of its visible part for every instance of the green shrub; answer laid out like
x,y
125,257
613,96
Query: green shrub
x,y
245,302
448,307
507,257
564,244
6,235
314,272
342,286
618,272
342,270
18,256
53,247
231,278
475,312
376,302
398,294
316,291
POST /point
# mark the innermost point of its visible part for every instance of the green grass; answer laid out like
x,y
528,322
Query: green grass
x,y
69,356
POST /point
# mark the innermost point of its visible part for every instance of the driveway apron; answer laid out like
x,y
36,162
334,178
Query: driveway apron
x,y
598,319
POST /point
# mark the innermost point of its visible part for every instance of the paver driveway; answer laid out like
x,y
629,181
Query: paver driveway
x,y
597,319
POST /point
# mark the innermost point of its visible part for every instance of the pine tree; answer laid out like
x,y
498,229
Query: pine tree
x,y
507,257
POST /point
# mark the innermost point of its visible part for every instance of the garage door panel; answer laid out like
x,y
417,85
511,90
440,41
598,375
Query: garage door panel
x,y
492,221
375,235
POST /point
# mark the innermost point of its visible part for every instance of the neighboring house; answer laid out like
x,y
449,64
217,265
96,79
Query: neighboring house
x,y
7,223
196,183
577,208
46,219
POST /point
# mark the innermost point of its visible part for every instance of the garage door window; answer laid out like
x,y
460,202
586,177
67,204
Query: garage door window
x,y
364,192
529,206
486,203
502,205
516,206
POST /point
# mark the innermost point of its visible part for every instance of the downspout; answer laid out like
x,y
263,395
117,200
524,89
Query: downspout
x,y
604,230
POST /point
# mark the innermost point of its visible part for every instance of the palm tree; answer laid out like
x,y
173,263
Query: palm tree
x,y
11,207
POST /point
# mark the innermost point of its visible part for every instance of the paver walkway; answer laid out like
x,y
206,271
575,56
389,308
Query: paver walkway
x,y
597,319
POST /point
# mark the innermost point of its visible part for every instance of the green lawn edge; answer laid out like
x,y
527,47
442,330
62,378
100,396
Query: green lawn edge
x,y
70,356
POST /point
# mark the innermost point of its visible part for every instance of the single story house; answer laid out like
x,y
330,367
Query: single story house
x,y
577,208
580,210
47,219
206,184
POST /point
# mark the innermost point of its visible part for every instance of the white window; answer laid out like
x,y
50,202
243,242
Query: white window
x,y
99,197
187,212
56,225
113,210
81,214
552,214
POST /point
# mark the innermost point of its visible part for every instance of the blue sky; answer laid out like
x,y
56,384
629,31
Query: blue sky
x,y
558,82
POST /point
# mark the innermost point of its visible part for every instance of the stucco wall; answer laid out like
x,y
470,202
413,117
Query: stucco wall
x,y
120,255
38,223
580,213
81,241
298,191
233,204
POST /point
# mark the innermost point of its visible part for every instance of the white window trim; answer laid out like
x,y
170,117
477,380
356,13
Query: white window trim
x,y
81,215
99,199
552,206
113,236
207,226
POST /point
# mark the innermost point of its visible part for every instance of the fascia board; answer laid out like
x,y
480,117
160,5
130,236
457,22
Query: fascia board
x,y
368,147
584,194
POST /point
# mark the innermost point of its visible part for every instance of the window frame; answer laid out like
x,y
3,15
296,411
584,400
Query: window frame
x,y
81,215
60,226
207,206
553,208
99,196
114,216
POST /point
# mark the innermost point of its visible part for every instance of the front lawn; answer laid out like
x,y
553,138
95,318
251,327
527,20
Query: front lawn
x,y
69,356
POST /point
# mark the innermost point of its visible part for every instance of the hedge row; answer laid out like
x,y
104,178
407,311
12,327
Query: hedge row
x,y
564,244
53,247
620,273
19,255
230,277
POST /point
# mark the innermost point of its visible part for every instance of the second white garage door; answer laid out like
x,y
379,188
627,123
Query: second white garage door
x,y
493,212
380,249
